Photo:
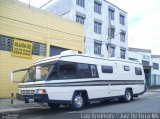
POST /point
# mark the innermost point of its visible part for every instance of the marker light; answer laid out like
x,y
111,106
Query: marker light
x,y
41,91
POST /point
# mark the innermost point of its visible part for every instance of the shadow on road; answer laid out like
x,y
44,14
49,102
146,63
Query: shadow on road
x,y
109,103
65,109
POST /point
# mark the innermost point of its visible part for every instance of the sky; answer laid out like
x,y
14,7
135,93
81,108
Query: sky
x,y
143,22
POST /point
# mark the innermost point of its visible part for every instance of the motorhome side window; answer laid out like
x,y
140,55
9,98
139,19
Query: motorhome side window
x,y
126,68
94,72
86,71
67,70
138,71
83,71
107,69
54,72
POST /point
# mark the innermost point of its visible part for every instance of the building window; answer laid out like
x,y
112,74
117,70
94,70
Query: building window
x,y
80,19
5,43
80,2
39,49
97,7
122,36
123,53
107,69
97,48
156,66
111,14
112,51
111,32
97,27
121,19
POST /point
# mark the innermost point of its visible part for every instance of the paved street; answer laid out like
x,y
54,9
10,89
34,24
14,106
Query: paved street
x,y
146,103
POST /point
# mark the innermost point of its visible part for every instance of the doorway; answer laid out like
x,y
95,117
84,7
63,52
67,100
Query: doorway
x,y
147,72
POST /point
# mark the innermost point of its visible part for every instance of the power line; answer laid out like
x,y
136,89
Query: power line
x,y
45,4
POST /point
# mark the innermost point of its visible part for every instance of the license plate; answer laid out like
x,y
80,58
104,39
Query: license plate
x,y
30,100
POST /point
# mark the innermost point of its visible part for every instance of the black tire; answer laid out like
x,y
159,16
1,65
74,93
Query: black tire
x,y
78,102
127,97
53,106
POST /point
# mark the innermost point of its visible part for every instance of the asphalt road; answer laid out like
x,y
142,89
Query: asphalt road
x,y
147,103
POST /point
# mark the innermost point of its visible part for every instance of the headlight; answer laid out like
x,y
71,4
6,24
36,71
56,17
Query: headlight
x,y
41,91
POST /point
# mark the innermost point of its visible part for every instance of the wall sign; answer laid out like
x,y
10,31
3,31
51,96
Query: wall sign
x,y
22,48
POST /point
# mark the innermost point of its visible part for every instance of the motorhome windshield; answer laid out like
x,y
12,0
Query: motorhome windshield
x,y
37,73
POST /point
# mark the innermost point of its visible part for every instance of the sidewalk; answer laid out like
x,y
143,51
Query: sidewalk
x,y
154,90
5,104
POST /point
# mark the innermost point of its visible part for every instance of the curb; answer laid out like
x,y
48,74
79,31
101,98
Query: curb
x,y
153,91
18,109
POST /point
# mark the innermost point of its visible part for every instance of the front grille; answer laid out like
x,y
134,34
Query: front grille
x,y
27,92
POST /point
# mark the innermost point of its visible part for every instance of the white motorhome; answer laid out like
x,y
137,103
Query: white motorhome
x,y
76,79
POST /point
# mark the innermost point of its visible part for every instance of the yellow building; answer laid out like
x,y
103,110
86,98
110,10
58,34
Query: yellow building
x,y
28,34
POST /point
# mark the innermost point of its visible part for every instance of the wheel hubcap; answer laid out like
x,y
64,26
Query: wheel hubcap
x,y
128,96
78,101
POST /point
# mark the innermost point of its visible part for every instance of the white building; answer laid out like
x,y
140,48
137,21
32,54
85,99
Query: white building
x,y
150,64
155,71
97,16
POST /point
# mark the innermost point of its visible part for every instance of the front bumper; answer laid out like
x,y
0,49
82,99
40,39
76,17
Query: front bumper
x,y
41,98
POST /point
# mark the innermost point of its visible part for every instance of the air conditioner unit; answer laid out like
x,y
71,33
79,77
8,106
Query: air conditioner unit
x,y
69,52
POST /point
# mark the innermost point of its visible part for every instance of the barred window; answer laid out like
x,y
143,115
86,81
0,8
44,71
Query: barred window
x,y
122,36
80,3
111,14
97,7
97,27
39,49
112,51
80,19
121,19
111,32
5,43
97,48
123,53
